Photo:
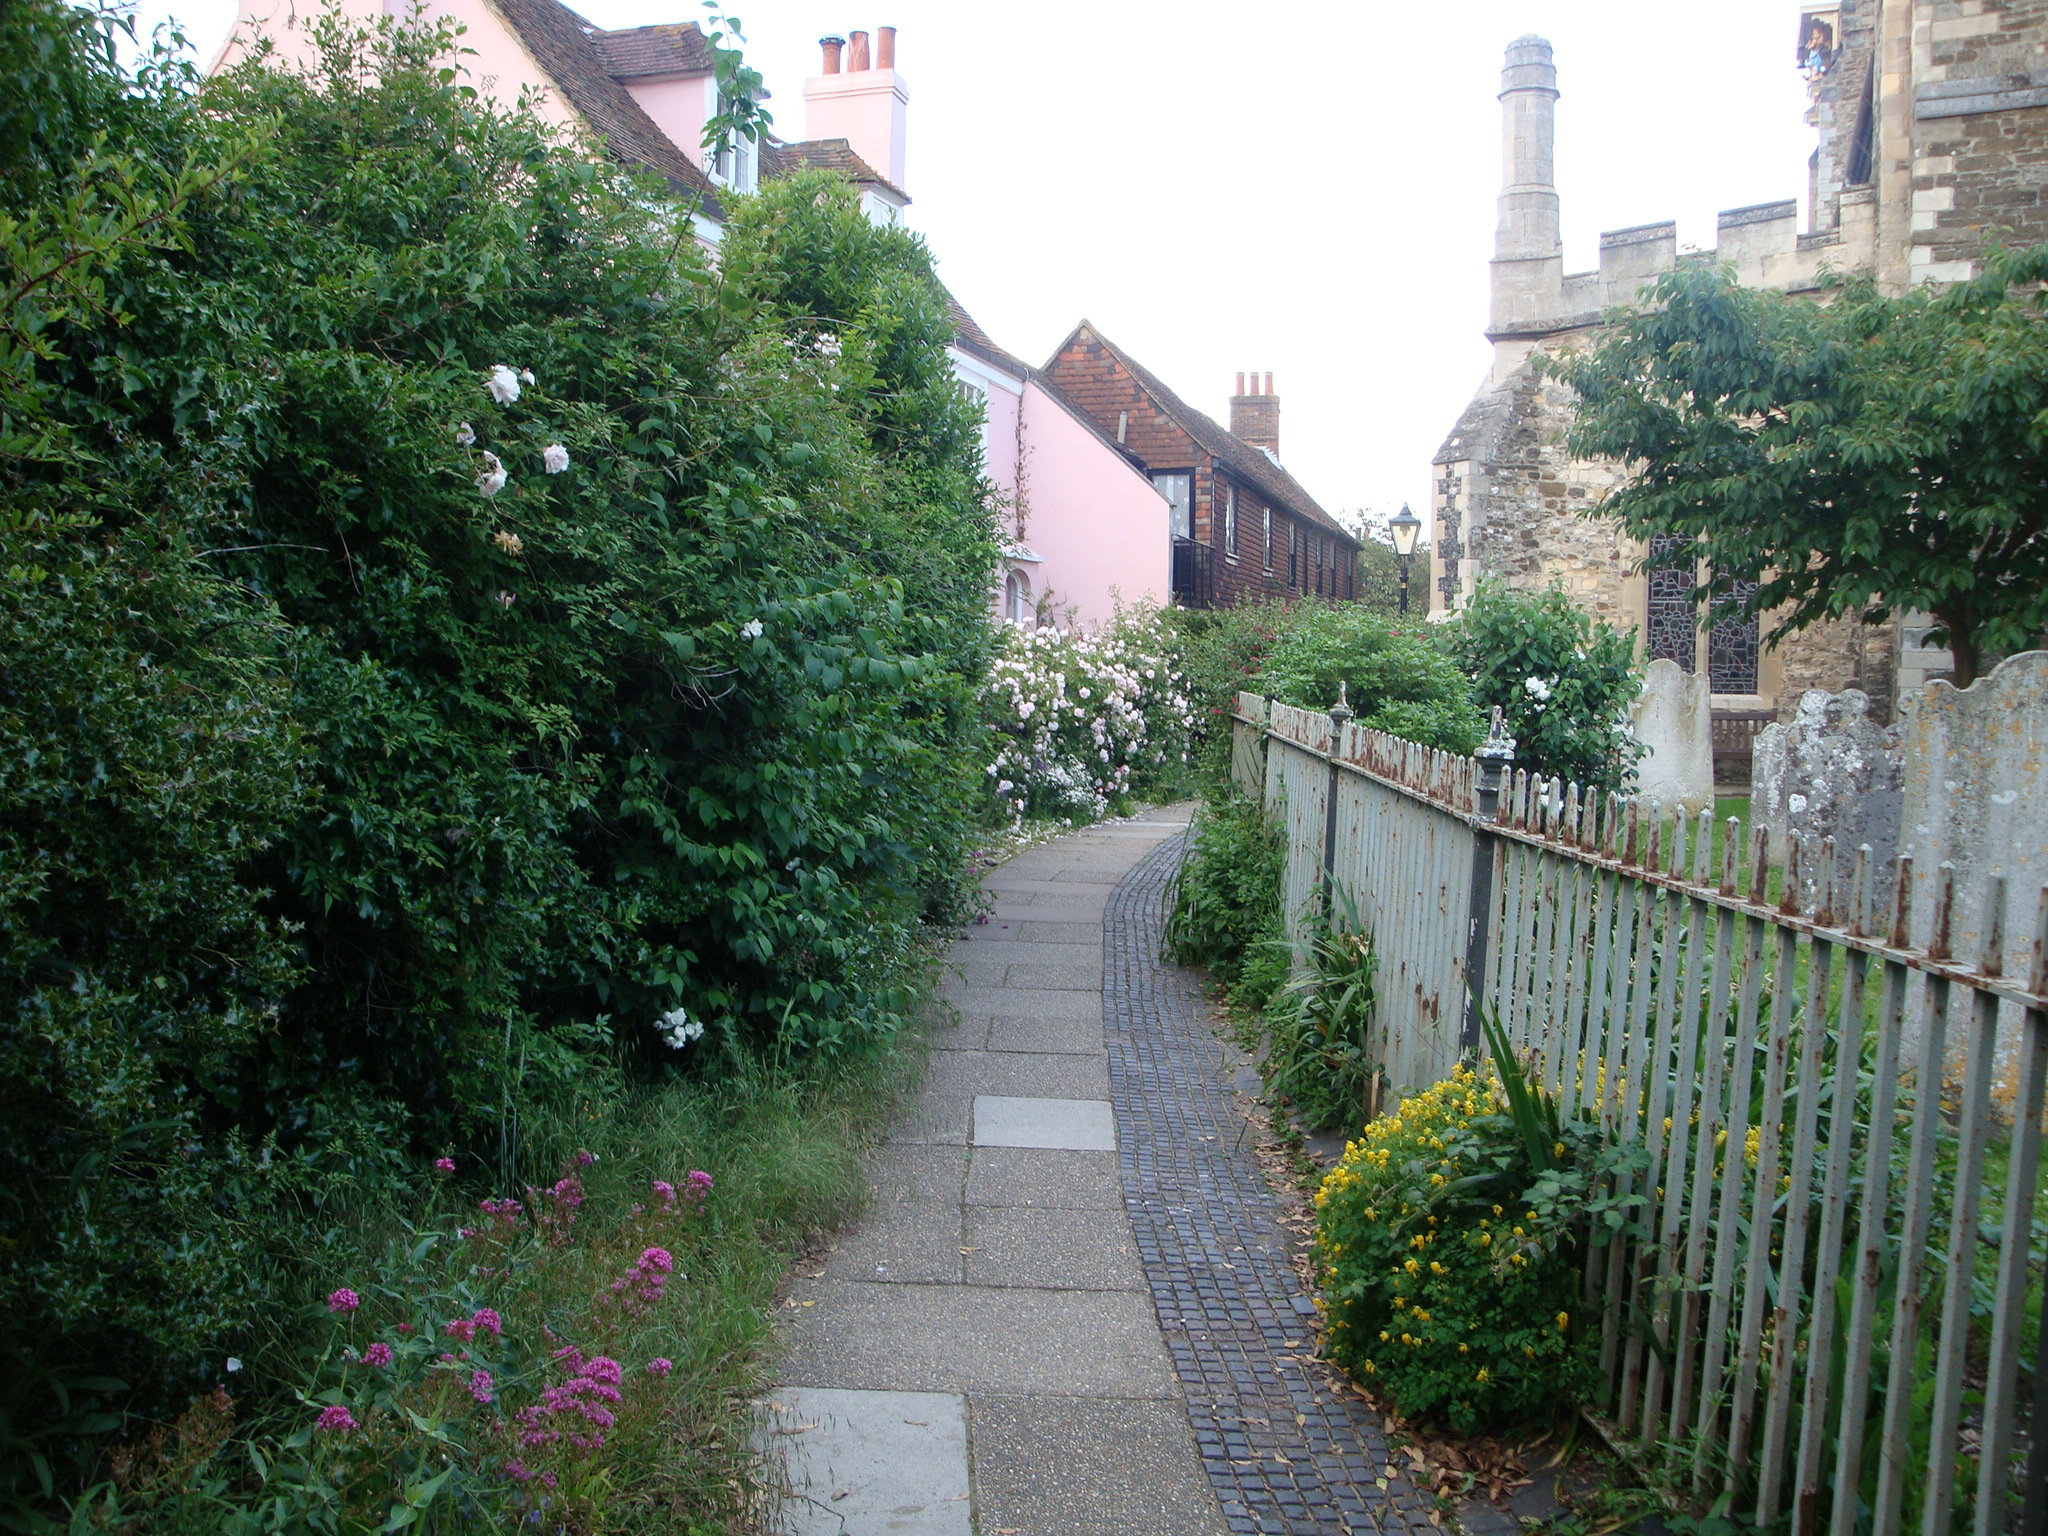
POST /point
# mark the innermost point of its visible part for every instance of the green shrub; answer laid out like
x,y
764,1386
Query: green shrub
x,y
1398,678
1225,908
1320,1050
371,781
1218,652
1443,1288
1563,682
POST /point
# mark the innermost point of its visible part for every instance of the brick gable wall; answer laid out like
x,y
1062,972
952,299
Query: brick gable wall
x,y
1094,378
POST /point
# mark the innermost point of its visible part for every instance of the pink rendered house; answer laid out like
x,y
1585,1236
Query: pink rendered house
x,y
1085,531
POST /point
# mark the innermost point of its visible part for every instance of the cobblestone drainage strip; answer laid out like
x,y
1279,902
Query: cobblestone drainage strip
x,y
1283,1455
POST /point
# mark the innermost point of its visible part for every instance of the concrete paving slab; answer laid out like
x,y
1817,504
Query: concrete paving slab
x,y
862,1463
953,1338
1020,885
1055,1466
1078,1250
1067,1037
936,1120
1022,1075
1076,1125
918,1174
1033,930
988,1002
1015,952
1067,906
1045,1177
904,1242
1037,976
952,1030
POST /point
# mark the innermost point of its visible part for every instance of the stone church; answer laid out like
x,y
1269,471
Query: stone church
x,y
1932,119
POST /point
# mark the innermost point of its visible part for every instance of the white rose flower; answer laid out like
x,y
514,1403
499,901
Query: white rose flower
x,y
503,384
677,1028
465,435
751,630
491,478
526,375
554,458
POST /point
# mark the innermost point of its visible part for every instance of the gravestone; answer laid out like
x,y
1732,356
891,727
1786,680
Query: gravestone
x,y
1674,719
1976,795
1830,771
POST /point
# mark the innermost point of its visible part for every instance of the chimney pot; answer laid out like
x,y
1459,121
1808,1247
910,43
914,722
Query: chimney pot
x,y
832,45
857,61
1255,414
885,47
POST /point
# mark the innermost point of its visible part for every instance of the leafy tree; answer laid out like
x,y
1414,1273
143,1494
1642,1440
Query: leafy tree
x,y
1855,457
1397,676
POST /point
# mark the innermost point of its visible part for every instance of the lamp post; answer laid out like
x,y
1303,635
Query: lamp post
x,y
1404,527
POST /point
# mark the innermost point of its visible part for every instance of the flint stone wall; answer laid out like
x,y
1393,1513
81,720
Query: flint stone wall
x,y
1673,718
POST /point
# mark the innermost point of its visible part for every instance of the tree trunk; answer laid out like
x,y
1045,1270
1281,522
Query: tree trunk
x,y
1962,646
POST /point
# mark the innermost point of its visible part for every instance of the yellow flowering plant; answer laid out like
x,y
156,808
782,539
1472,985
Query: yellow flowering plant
x,y
1445,1288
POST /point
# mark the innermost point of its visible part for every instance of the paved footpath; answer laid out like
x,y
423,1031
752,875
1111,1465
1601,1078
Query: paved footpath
x,y
1069,1311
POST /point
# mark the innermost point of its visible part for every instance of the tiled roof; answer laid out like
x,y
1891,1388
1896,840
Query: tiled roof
x,y
830,155
1258,469
639,53
972,339
565,45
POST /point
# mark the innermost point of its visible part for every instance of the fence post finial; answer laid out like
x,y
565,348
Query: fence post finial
x,y
1496,757
1341,711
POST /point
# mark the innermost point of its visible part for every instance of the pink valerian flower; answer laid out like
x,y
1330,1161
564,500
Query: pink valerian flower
x,y
444,1165
555,1208
335,1420
665,1192
378,1355
466,1329
660,1366
699,1182
641,1286
575,1412
343,1301
583,1159
480,1386
517,1470
504,1214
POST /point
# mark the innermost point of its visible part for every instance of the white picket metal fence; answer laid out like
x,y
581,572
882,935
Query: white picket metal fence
x,y
1835,1304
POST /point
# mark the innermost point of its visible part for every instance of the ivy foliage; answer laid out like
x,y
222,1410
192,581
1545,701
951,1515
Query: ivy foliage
x,y
354,798
1859,458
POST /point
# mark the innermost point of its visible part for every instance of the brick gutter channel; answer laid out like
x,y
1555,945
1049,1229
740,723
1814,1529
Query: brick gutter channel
x,y
1237,1325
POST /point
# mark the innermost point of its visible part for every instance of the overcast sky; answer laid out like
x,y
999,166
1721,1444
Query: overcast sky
x,y
1301,188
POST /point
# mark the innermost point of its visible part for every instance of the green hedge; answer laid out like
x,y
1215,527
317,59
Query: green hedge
x,y
349,812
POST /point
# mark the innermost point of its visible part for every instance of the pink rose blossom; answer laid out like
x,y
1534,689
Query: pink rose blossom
x,y
343,1301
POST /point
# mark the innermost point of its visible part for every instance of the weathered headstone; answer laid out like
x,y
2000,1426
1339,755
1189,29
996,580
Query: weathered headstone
x,y
1830,771
1674,719
1976,796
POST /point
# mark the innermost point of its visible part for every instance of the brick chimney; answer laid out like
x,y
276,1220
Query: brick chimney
x,y
1255,414
863,103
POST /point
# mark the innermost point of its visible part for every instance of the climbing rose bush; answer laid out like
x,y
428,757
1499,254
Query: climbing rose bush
x,y
1444,1289
1082,719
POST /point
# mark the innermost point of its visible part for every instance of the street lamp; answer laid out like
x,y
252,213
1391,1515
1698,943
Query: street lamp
x,y
1404,527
